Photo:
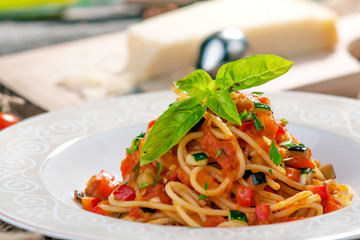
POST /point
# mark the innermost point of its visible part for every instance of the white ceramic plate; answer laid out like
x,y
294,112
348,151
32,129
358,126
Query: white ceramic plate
x,y
45,158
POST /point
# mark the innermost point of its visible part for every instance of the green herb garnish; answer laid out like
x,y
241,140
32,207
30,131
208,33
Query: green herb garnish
x,y
257,122
135,143
205,93
202,197
220,151
244,115
284,121
258,93
288,144
206,186
158,173
275,155
306,170
271,172
144,185
260,105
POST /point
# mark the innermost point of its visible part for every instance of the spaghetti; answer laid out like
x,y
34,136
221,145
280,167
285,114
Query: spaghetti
x,y
221,174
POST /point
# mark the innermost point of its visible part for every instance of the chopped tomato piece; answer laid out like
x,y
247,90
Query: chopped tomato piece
x,y
263,213
136,213
268,189
293,173
245,126
300,162
151,124
213,221
101,185
157,191
98,210
243,196
128,164
89,203
125,193
322,190
332,205
223,151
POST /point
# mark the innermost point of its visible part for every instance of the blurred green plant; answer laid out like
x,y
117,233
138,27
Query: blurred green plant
x,y
33,9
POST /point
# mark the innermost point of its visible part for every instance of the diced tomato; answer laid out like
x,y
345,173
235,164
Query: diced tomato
x,y
243,196
128,164
294,219
263,213
322,190
89,203
300,162
101,185
227,157
245,126
136,213
332,205
157,191
98,210
125,193
183,177
151,124
213,221
269,189
293,173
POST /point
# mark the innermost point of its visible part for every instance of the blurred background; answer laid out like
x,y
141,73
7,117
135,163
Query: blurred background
x,y
29,25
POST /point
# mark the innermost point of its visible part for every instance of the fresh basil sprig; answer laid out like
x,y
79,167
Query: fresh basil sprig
x,y
205,93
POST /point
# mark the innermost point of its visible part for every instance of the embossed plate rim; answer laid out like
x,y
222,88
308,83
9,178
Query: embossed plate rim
x,y
31,141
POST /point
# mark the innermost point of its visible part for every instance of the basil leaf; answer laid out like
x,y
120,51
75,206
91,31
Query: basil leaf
x,y
223,105
222,84
275,155
196,84
206,185
254,71
170,127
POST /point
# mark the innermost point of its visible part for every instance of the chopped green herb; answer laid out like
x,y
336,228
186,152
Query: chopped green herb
x,y
144,185
206,185
238,216
306,170
275,155
202,197
258,124
260,105
271,172
244,115
135,143
158,173
258,93
289,144
199,156
220,151
284,121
